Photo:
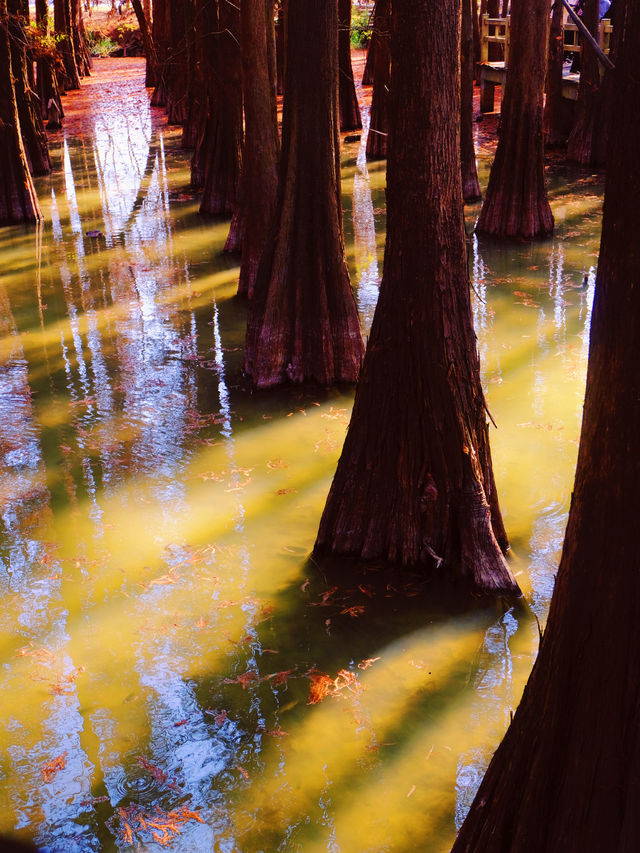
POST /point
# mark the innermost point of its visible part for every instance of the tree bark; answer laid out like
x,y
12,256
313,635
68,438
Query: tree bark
x,y
161,34
18,200
516,204
414,484
147,41
31,127
565,777
470,182
62,25
46,76
553,119
261,143
589,107
302,322
379,117
348,100
81,48
367,74
222,155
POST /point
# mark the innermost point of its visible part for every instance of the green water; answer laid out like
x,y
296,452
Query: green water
x,y
162,627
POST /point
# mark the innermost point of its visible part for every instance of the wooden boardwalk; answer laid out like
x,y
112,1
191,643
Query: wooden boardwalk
x,y
493,73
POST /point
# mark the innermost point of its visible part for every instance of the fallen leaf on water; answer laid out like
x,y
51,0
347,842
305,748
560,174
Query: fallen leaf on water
x,y
305,585
276,463
244,679
367,662
51,767
324,598
279,677
286,491
354,611
322,685
413,787
242,770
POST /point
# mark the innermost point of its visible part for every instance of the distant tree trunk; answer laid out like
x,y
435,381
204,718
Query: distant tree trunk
x,y
18,200
553,118
46,76
81,48
31,127
565,777
222,155
379,116
600,149
348,100
475,22
147,41
261,144
176,72
161,34
303,323
62,25
470,182
414,484
367,74
516,204
280,49
589,106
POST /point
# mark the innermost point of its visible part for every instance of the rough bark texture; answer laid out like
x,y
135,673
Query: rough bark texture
x,y
566,776
79,36
553,121
62,25
516,204
18,201
377,145
348,100
46,75
600,148
31,127
261,144
303,323
221,153
280,48
589,107
161,34
147,40
367,74
470,182
414,483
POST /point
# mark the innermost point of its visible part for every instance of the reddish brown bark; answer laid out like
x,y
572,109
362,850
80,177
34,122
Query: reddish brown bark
x,y
280,48
219,150
302,322
31,127
414,484
62,26
367,74
18,201
79,36
566,776
161,34
147,41
379,116
580,146
553,119
348,100
261,144
46,75
516,204
470,182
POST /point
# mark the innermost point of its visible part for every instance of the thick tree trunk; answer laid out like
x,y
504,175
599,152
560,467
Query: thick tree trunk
x,y
589,107
80,46
62,25
147,41
18,200
553,119
280,48
196,88
348,100
367,74
379,117
176,73
260,157
303,323
600,147
161,34
31,127
516,204
46,76
414,484
470,182
565,777
222,155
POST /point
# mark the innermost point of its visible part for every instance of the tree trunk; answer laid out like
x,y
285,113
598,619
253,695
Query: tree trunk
x,y
176,74
80,46
303,323
46,76
367,74
196,88
147,41
600,148
589,106
223,153
348,100
565,777
62,25
161,34
18,200
553,119
470,182
414,484
280,48
260,157
379,116
31,127
516,204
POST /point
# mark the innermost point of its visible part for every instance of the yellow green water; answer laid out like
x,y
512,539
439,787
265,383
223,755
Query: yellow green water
x,y
156,518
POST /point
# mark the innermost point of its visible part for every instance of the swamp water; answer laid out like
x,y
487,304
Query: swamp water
x,y
175,675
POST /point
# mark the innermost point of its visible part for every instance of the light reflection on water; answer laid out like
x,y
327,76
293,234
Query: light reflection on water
x,y
161,623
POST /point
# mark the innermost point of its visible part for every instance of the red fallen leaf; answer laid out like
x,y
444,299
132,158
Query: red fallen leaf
x,y
367,662
322,685
51,767
354,612
277,732
279,677
242,770
324,598
181,723
244,679
158,775
305,585
366,589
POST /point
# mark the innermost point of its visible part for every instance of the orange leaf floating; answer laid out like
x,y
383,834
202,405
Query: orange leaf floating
x,y
50,768
322,685
279,677
324,598
244,679
354,611
367,662
163,826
